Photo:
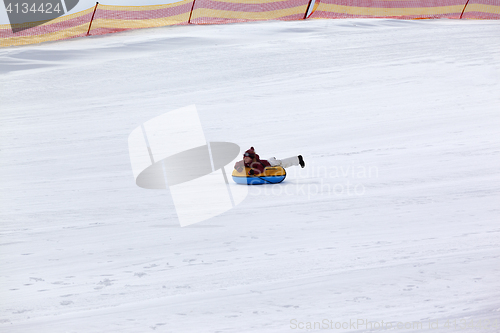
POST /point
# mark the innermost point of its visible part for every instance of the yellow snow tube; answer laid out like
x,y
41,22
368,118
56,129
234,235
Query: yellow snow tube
x,y
271,175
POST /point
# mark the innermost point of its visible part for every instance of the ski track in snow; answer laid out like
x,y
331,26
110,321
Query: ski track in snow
x,y
394,218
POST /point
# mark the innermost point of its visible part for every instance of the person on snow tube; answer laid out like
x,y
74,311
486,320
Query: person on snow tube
x,y
251,160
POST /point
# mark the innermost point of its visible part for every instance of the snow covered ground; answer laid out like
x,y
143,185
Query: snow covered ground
x,y
395,217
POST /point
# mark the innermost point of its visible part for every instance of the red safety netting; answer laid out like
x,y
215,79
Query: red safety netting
x,y
407,9
398,9
69,26
107,19
119,18
482,9
232,11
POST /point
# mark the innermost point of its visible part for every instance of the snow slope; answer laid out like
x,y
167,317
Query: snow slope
x,y
395,217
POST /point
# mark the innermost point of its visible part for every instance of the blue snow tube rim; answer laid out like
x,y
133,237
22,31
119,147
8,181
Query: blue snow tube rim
x,y
259,180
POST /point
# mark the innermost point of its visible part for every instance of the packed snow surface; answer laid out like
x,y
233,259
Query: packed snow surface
x,y
395,218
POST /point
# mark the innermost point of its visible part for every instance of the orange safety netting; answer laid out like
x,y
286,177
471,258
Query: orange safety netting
x,y
232,11
109,19
407,9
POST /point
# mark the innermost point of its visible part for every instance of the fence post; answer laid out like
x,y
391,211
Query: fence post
x,y
191,13
308,6
463,10
90,24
